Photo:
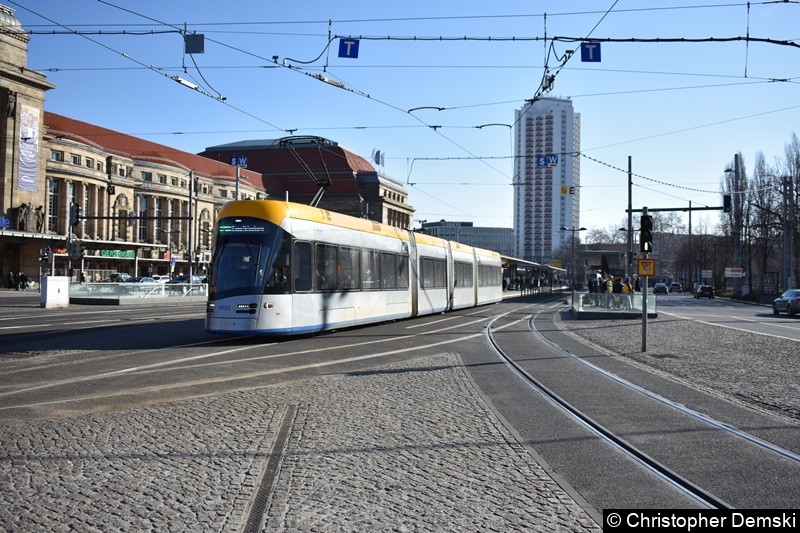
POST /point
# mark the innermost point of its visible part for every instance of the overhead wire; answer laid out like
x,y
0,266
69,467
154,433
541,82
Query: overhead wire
x,y
462,17
436,128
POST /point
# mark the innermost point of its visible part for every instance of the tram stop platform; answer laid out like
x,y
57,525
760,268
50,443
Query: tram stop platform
x,y
598,306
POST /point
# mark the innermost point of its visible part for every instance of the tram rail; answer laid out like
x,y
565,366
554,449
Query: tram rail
x,y
700,495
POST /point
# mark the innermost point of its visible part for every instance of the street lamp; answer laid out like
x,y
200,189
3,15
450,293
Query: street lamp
x,y
574,231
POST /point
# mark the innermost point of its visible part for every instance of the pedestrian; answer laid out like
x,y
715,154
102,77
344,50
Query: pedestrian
x,y
616,288
599,287
627,289
12,280
22,282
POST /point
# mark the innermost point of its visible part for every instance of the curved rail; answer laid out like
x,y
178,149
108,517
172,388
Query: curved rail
x,y
727,428
697,493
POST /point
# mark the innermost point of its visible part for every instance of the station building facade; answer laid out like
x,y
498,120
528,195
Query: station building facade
x,y
500,240
146,208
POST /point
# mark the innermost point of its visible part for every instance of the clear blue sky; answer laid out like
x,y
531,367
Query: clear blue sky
x,y
680,110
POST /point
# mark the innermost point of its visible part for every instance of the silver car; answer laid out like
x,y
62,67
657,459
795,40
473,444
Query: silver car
x,y
789,301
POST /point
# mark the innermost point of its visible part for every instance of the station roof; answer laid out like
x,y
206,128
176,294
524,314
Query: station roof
x,y
508,261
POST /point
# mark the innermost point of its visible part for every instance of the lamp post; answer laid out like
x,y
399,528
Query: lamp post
x,y
573,230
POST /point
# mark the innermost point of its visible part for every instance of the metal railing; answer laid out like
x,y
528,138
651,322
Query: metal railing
x,y
122,292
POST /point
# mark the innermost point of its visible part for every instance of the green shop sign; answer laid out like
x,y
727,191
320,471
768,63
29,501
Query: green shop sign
x,y
125,254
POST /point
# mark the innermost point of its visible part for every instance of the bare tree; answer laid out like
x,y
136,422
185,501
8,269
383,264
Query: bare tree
x,y
762,222
791,170
609,235
668,222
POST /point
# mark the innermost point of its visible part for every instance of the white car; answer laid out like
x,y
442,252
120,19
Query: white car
x,y
161,278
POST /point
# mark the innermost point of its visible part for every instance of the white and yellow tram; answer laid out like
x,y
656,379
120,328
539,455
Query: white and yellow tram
x,y
282,268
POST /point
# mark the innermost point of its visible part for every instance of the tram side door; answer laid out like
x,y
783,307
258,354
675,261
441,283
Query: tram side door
x,y
414,282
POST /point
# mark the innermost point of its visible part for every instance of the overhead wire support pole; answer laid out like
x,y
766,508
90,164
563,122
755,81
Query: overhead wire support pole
x,y
629,263
644,297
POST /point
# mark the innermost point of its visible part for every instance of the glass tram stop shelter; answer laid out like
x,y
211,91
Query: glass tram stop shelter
x,y
529,277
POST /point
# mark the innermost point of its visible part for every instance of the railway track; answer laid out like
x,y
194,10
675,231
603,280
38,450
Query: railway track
x,y
512,335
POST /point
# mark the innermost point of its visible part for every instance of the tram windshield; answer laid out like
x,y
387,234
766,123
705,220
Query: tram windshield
x,y
251,257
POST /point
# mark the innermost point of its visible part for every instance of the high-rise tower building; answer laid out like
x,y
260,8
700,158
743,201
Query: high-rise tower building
x,y
546,177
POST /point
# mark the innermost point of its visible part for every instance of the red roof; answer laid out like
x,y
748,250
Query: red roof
x,y
136,148
298,171
274,169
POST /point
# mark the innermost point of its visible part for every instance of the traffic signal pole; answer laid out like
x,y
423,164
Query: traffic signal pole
x,y
645,246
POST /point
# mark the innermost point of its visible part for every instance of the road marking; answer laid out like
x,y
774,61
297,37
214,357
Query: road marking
x,y
162,364
224,379
434,322
694,319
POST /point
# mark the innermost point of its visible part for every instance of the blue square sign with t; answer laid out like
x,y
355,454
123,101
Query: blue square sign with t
x,y
590,52
348,48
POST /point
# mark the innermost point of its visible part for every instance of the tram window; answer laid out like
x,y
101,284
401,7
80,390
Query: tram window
x,y
277,277
489,276
370,269
426,272
439,274
350,261
463,274
388,271
402,271
432,272
325,267
302,266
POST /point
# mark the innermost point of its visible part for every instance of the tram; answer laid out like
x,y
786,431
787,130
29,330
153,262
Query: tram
x,y
281,268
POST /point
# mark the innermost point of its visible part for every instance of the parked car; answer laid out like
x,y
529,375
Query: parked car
x,y
789,301
675,287
143,279
119,277
185,279
164,278
660,288
705,291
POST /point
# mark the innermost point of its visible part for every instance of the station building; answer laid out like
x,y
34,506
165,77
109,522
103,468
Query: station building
x,y
308,169
146,208
501,240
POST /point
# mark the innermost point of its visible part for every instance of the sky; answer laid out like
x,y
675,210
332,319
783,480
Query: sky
x,y
435,86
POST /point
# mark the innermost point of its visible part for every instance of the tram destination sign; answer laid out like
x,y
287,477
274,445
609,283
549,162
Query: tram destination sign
x,y
242,226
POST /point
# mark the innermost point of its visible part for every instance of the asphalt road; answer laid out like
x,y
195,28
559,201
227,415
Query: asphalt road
x,y
730,314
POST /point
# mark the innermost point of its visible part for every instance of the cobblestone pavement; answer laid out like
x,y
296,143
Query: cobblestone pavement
x,y
408,447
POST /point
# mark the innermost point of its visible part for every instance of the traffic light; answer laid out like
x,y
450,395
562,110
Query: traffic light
x,y
74,215
726,203
646,234
77,249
